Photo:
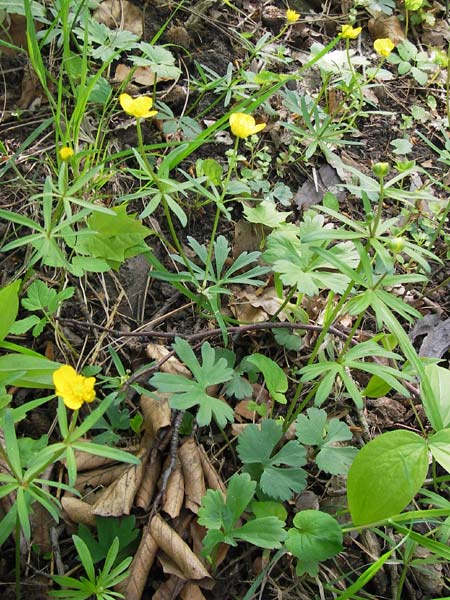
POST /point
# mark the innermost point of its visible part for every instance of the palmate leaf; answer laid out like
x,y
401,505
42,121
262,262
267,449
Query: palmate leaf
x,y
255,449
316,430
186,393
220,516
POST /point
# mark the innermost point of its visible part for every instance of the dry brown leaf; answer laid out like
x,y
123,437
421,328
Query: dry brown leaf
x,y
212,477
14,31
169,567
173,545
78,511
118,498
120,14
148,484
172,365
133,587
386,27
174,491
191,592
194,481
169,589
142,75
253,306
99,477
41,521
156,411
238,428
260,395
248,237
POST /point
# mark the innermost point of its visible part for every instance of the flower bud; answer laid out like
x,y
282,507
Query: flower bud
x,y
396,244
381,169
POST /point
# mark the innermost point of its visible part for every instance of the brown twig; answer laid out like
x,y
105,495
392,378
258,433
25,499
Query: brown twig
x,y
207,332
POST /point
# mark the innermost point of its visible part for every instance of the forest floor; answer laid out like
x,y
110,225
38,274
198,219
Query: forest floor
x,y
258,301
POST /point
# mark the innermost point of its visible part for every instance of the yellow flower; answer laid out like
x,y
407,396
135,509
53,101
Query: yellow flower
x,y
137,107
292,16
243,125
350,33
74,389
65,153
383,46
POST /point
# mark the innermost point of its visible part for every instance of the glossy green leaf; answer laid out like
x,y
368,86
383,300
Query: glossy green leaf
x,y
386,475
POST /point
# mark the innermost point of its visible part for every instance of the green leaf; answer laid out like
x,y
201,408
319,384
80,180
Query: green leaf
x,y
255,448
274,376
266,532
376,387
109,528
114,453
114,237
439,444
269,509
266,213
217,513
336,461
32,372
386,475
186,393
9,306
315,537
439,379
85,557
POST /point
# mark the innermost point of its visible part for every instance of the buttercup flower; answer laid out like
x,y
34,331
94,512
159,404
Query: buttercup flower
x,y
383,46
137,107
73,388
243,125
65,153
292,16
350,33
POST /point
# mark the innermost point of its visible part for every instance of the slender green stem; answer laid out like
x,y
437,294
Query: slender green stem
x,y
231,165
374,225
17,557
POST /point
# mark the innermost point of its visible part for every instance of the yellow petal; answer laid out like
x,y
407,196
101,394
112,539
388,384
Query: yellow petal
x,y
137,107
243,125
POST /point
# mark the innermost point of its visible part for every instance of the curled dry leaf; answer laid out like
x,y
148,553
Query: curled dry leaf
x,y
133,586
171,365
191,592
212,477
78,511
118,498
156,411
386,27
170,589
149,482
176,549
174,491
255,306
194,481
99,477
120,14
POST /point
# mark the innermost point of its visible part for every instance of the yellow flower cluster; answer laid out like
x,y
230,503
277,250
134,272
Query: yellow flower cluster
x,y
65,153
292,16
73,388
348,32
383,46
140,107
242,125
